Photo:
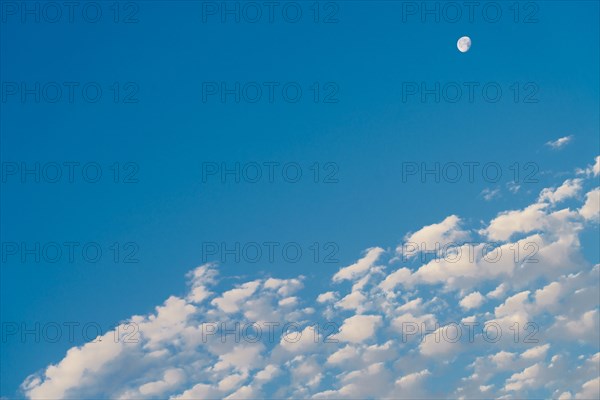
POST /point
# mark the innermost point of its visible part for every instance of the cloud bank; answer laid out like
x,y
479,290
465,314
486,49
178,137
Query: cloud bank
x,y
387,327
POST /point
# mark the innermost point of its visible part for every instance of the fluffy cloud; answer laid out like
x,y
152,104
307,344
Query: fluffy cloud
x,y
591,170
230,301
518,221
361,267
536,352
171,378
379,329
569,188
473,300
327,297
526,378
436,235
359,328
591,209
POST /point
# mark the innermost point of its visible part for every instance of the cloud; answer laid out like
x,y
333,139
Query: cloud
x,y
353,301
560,142
359,328
490,194
509,223
591,170
590,390
473,300
498,292
584,326
231,300
327,297
527,378
421,323
411,379
441,341
395,278
361,267
76,369
428,237
591,209
570,188
171,379
536,352
548,295
388,333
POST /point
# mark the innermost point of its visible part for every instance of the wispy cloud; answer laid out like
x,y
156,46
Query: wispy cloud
x,y
490,194
560,143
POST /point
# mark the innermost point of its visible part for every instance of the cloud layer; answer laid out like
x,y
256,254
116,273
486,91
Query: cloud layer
x,y
391,325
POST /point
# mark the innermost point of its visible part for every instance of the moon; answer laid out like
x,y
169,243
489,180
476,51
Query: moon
x,y
464,44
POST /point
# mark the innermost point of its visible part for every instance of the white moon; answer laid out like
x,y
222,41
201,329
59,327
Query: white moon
x,y
464,44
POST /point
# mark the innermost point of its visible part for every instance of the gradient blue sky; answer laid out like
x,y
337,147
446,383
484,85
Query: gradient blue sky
x,y
369,133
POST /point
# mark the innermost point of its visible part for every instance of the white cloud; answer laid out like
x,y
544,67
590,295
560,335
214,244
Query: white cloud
x,y
498,292
569,188
442,341
526,378
584,327
591,170
519,221
241,358
427,238
76,369
560,142
548,295
199,279
327,297
395,278
268,373
171,379
359,328
372,355
596,167
410,380
300,342
353,301
284,287
503,359
418,324
231,300
472,300
490,194
591,209
536,352
590,390
361,267
342,355
410,305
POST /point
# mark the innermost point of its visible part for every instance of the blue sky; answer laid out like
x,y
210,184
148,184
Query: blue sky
x,y
160,133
